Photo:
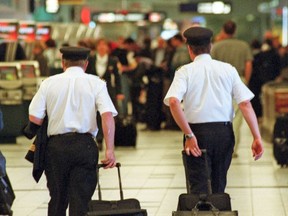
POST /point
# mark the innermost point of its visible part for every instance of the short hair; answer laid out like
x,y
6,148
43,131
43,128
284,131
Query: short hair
x,y
178,37
129,40
200,49
51,43
71,63
229,27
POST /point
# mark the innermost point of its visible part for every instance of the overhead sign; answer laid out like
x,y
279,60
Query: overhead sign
x,y
214,7
110,17
43,31
72,2
27,31
9,30
217,7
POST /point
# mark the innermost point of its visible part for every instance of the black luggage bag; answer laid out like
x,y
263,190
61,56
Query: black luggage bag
x,y
122,207
125,131
280,140
212,212
199,203
7,195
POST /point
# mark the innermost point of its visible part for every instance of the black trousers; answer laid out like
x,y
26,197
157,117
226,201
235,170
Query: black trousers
x,y
218,139
70,168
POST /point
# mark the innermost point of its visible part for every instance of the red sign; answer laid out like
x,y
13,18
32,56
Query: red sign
x,y
27,32
8,30
43,32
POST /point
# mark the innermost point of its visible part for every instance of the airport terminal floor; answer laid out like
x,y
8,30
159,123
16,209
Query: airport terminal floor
x,y
153,173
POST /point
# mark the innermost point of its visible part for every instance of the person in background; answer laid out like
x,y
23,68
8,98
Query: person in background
x,y
38,50
50,52
180,56
207,88
237,53
106,67
71,101
233,51
125,52
266,67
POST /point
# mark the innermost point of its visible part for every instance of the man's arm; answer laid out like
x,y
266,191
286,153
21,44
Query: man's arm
x,y
35,120
250,118
248,71
191,145
108,126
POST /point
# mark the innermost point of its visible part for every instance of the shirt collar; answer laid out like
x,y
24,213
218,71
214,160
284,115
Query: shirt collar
x,y
74,70
202,57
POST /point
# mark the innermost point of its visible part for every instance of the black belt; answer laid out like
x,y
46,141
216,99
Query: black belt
x,y
227,123
71,134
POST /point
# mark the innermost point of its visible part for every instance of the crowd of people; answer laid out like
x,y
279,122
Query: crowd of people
x,y
139,73
138,78
147,70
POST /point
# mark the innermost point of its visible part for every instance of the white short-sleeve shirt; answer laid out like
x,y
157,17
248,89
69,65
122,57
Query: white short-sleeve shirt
x,y
207,88
71,100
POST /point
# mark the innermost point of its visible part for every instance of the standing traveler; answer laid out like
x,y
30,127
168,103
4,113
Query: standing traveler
x,y
239,54
71,100
125,52
266,67
106,67
233,51
180,57
207,88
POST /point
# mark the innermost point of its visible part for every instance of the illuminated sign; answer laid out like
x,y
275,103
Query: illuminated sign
x,y
27,31
52,6
9,30
43,31
71,2
156,17
215,7
110,17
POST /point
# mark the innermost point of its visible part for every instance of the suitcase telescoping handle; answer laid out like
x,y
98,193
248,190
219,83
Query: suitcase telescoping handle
x,y
118,165
204,154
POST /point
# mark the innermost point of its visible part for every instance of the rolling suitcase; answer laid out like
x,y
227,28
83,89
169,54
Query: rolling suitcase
x,y
125,131
202,202
211,212
280,140
122,207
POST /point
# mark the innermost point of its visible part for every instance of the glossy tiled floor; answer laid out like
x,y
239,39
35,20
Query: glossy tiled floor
x,y
153,173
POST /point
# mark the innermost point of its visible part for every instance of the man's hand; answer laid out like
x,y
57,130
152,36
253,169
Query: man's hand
x,y
257,149
191,146
110,160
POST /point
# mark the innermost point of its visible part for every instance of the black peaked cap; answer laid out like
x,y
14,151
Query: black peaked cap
x,y
198,36
75,53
